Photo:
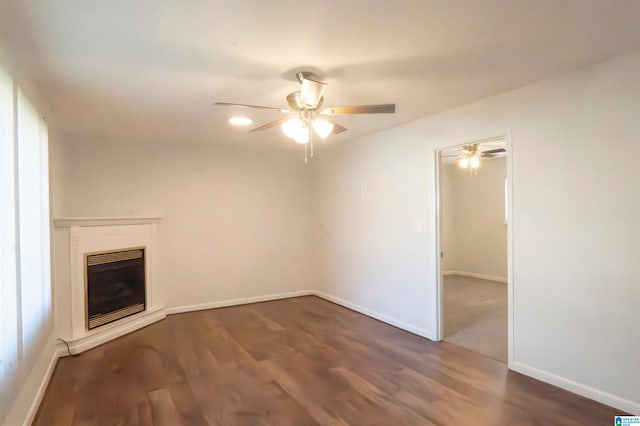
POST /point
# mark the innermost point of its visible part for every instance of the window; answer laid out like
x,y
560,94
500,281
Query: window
x,y
25,278
33,208
8,284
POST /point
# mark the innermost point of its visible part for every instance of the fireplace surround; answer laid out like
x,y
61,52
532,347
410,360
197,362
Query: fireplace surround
x,y
81,244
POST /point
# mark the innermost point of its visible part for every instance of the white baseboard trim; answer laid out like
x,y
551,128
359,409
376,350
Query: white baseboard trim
x,y
25,407
127,326
377,315
235,302
37,399
475,275
578,388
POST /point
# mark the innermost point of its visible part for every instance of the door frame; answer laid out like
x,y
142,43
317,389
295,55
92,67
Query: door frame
x,y
438,232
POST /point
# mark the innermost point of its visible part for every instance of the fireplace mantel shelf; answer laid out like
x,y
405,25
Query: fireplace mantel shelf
x,y
67,222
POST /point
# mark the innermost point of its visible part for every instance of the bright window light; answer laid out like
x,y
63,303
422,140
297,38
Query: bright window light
x,y
25,271
33,199
8,279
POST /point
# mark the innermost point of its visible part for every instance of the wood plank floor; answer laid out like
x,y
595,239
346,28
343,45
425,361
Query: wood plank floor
x,y
301,361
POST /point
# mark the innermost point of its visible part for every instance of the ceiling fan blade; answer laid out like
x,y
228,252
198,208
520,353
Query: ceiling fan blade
x,y
493,151
249,106
311,92
337,128
270,125
360,109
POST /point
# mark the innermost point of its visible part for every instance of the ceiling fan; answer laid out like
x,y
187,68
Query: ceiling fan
x,y
470,156
309,115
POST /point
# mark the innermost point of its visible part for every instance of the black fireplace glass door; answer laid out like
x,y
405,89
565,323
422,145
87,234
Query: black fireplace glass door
x,y
114,286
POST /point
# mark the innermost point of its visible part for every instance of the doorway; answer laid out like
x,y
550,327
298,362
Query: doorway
x,y
474,207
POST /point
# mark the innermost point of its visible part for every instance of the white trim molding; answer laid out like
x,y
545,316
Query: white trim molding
x,y
476,275
67,222
33,388
235,302
338,301
577,388
35,404
437,315
112,331
422,332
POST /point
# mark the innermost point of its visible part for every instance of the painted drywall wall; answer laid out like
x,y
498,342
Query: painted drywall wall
x,y
235,221
474,231
575,235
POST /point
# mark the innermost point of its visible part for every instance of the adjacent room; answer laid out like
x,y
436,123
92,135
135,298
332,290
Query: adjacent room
x,y
249,212
474,261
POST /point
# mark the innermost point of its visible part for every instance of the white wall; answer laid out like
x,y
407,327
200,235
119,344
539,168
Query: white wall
x,y
575,234
235,220
474,231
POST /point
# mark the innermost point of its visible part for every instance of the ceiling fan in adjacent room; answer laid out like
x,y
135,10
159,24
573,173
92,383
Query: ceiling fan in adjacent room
x,y
307,116
470,155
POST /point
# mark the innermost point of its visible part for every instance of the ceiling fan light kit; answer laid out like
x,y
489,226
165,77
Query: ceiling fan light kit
x,y
322,127
470,157
472,162
306,105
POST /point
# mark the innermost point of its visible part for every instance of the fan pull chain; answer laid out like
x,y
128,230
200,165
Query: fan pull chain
x,y
306,156
311,141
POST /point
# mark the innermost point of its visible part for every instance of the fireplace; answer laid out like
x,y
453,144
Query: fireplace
x,y
118,300
115,286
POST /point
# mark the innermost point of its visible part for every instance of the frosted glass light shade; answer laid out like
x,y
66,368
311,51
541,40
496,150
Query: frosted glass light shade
x,y
474,162
297,130
322,127
464,163
303,136
311,92
292,127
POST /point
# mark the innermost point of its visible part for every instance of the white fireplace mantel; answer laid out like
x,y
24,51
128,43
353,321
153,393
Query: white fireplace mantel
x,y
76,236
67,222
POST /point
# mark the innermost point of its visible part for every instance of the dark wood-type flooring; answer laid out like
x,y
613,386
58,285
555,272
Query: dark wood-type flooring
x,y
301,361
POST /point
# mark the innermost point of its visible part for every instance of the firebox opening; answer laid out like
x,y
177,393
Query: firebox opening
x,y
115,286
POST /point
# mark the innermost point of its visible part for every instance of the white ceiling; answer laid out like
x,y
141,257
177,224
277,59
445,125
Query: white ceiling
x,y
151,69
